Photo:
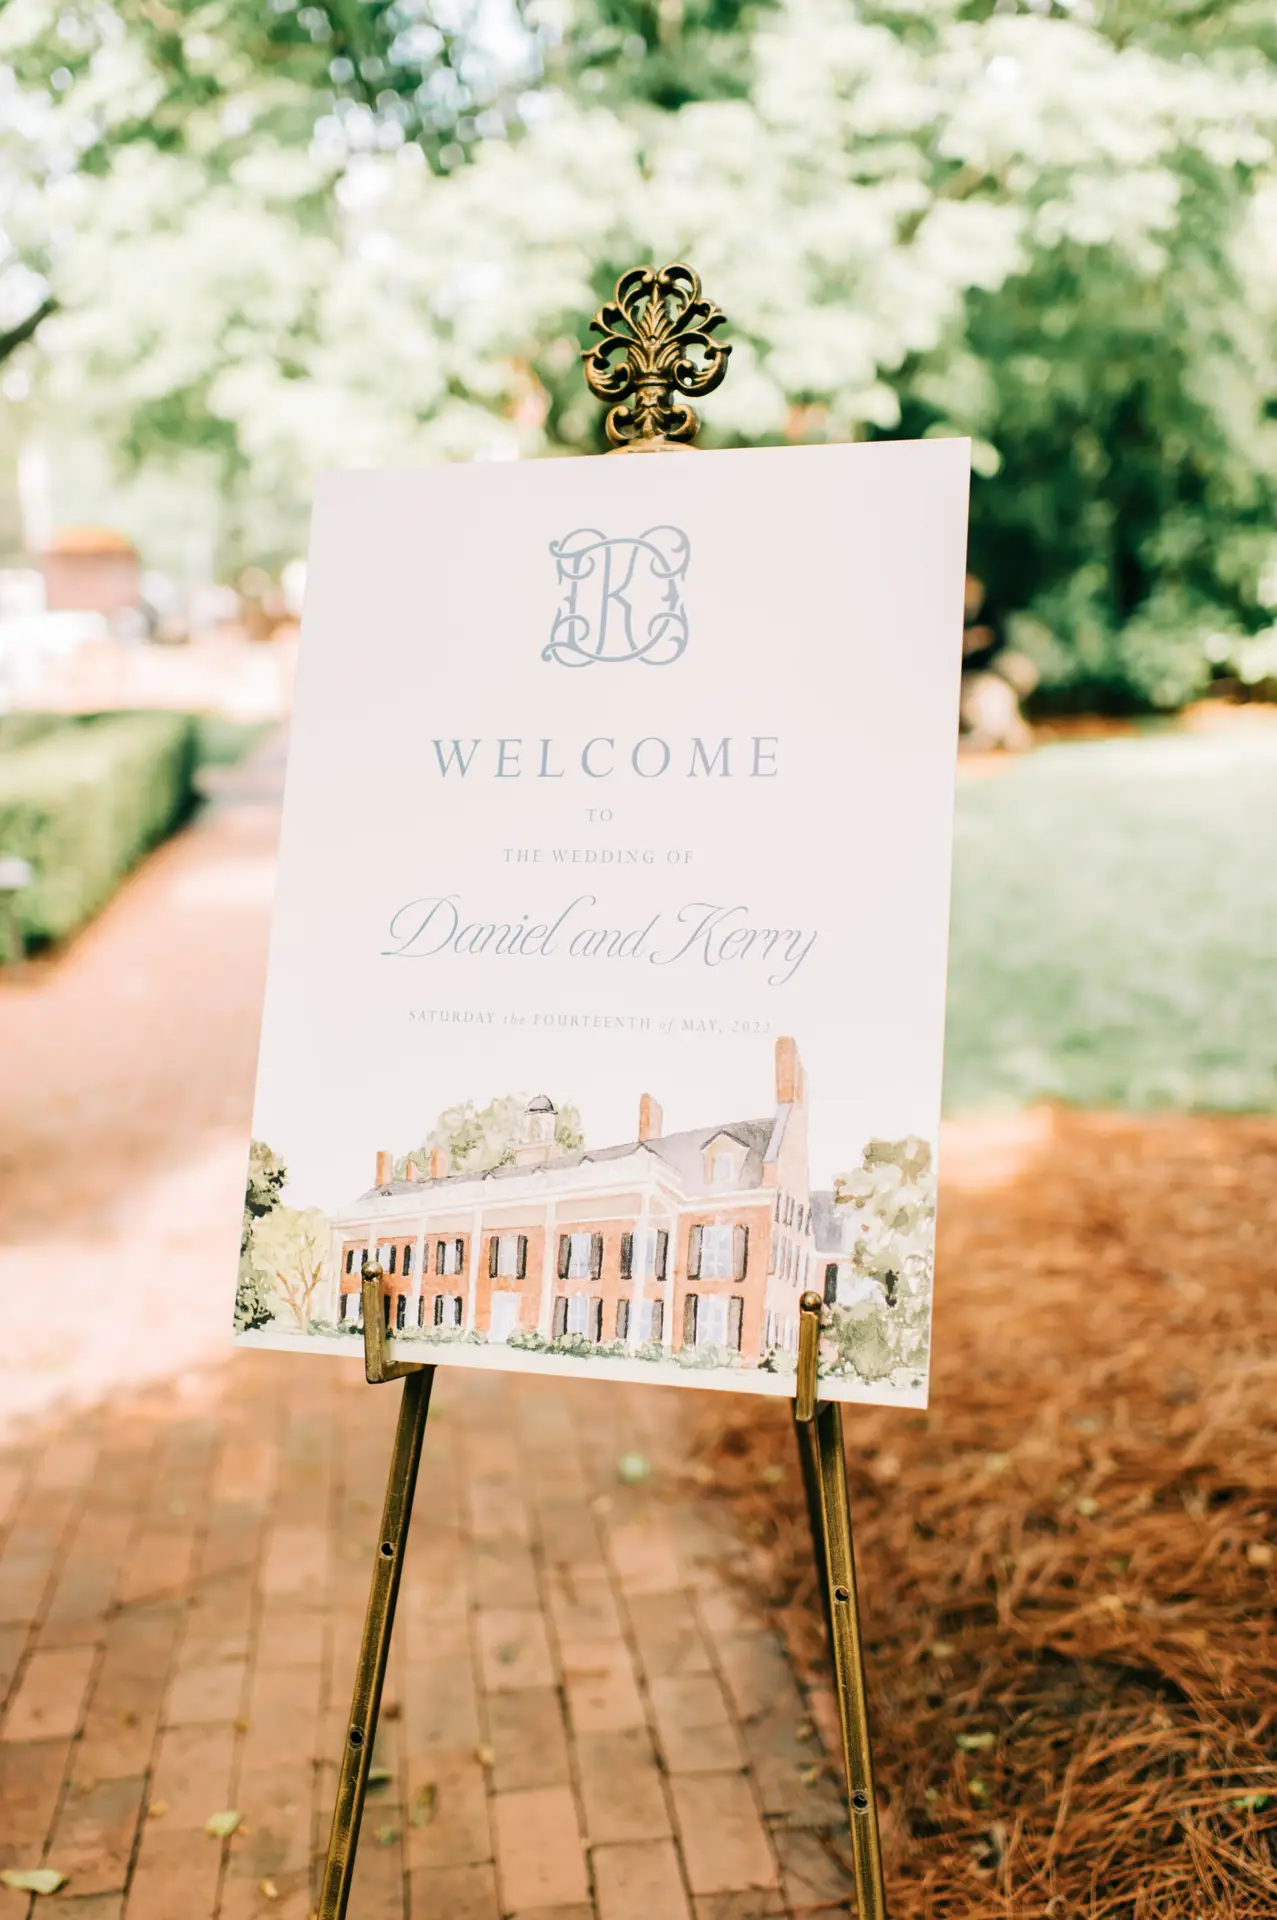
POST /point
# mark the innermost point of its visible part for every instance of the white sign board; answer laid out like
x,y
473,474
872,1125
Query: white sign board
x,y
606,987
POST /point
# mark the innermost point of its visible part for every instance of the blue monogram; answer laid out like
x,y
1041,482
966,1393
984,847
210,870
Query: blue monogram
x,y
621,598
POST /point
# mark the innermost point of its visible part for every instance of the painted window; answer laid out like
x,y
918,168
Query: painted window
x,y
716,1253
644,1253
447,1309
407,1259
580,1256
386,1258
448,1256
722,1167
718,1320
584,1316
711,1320
511,1256
651,1318
350,1259
401,1312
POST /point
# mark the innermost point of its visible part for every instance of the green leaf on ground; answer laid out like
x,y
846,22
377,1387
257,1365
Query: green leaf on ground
x,y
222,1825
977,1742
424,1803
632,1468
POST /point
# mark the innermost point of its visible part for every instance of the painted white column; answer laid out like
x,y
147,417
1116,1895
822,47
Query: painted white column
x,y
420,1256
674,1253
472,1281
636,1277
549,1271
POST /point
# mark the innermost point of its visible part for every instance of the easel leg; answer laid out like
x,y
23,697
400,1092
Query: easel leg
x,y
352,1784
820,1446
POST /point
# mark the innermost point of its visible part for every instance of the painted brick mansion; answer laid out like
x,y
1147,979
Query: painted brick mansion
x,y
703,1238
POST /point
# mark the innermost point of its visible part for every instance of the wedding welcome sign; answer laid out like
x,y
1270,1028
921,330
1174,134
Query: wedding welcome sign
x,y
606,988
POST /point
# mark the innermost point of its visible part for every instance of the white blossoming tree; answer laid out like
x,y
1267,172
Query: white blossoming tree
x,y
892,1199
1037,225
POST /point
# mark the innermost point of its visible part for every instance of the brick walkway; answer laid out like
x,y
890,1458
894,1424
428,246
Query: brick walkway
x,y
582,1719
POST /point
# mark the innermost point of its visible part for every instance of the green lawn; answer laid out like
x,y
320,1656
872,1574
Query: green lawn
x,y
1114,933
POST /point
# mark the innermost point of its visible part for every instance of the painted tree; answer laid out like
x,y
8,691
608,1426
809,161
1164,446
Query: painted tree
x,y
290,1246
476,1139
267,1176
892,1199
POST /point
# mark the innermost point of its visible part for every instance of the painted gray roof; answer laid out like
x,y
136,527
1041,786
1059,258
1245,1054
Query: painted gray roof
x,y
683,1152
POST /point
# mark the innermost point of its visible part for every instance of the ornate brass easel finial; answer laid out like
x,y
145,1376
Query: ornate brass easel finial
x,y
652,325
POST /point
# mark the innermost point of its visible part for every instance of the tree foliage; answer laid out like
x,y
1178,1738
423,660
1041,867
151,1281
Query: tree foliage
x,y
354,234
892,1195
477,1139
289,1245
267,1176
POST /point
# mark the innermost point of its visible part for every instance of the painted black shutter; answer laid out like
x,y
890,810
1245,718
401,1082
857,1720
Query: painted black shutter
x,y
521,1260
662,1252
421,1309
350,1259
735,1316
740,1250
565,1254
694,1254
831,1283
560,1317
494,1254
596,1258
622,1319
407,1259
391,1267
385,1307
627,1256
401,1311
596,1320
461,1255
689,1319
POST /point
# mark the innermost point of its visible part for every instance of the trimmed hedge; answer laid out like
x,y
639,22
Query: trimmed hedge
x,y
84,801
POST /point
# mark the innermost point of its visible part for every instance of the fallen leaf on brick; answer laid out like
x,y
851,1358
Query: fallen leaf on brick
x,y
424,1803
222,1825
484,1755
386,1836
268,1889
632,1468
240,1723
810,1775
33,1879
157,1809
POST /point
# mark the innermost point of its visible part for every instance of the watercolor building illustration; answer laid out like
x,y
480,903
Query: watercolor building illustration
x,y
704,1238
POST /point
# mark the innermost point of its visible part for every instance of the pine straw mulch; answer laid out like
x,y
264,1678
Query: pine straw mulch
x,y
1067,1565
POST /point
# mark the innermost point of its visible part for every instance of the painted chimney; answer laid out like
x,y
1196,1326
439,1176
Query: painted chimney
x,y
385,1168
438,1163
651,1119
790,1084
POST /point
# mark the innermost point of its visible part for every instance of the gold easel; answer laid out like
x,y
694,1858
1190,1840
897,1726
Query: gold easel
x,y
650,327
